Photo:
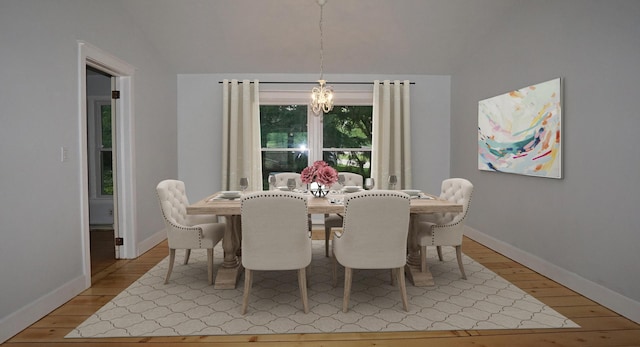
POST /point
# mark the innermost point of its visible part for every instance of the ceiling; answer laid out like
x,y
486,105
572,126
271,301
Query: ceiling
x,y
283,36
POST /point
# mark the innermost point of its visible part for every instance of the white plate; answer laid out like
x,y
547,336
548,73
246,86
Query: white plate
x,y
412,192
230,194
350,189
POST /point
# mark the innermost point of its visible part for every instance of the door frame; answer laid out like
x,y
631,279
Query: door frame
x,y
89,55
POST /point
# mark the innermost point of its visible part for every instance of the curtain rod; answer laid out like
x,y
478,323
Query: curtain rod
x,y
280,82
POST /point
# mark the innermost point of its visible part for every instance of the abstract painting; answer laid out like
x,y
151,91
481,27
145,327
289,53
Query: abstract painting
x,y
520,131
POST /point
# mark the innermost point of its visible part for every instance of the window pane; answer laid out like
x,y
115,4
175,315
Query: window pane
x,y
281,161
349,161
106,173
283,126
348,127
105,114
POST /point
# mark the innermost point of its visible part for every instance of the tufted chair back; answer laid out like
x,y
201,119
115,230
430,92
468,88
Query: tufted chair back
x,y
350,179
457,190
446,229
185,231
283,177
173,202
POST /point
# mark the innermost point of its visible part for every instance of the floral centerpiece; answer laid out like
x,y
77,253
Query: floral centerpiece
x,y
320,173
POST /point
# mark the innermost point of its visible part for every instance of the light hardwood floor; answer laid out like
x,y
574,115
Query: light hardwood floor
x,y
600,327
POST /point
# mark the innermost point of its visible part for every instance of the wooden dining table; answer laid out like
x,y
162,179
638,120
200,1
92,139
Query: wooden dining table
x,y
228,274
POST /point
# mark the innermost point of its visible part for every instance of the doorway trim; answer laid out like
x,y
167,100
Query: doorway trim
x,y
89,55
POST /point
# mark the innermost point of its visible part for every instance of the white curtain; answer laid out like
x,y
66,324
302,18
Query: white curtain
x,y
391,154
241,151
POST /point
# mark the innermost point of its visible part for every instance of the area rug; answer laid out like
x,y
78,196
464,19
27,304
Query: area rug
x,y
188,305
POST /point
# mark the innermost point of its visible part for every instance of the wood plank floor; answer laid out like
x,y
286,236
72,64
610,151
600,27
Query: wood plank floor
x,y
103,253
600,327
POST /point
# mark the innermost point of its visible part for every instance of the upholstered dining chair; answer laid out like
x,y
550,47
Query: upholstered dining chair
x,y
186,231
275,237
445,229
283,177
335,220
374,236
281,180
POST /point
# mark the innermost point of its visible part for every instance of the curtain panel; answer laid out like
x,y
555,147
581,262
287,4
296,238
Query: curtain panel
x,y
391,153
241,151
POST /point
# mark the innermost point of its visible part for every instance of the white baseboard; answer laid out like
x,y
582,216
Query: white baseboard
x,y
604,296
150,242
21,319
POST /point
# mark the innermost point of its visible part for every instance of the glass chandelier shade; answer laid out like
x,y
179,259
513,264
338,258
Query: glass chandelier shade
x,y
322,98
322,95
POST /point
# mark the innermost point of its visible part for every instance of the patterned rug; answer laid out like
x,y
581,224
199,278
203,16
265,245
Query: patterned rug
x,y
189,306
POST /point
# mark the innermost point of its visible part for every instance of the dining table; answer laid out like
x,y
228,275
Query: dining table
x,y
231,268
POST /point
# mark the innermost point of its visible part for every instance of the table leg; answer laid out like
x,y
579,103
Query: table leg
x,y
231,268
414,273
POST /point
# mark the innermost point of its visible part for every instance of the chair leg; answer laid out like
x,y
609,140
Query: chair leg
x,y
393,277
210,264
172,258
187,254
347,288
439,249
247,288
459,256
302,282
423,258
403,288
334,272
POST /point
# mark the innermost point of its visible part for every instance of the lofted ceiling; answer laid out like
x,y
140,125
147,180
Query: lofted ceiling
x,y
283,36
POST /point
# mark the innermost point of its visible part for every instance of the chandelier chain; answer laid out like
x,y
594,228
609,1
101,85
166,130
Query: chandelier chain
x,y
321,43
321,95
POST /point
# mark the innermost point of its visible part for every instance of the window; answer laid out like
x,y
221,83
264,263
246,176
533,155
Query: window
x,y
284,139
346,139
106,163
99,138
292,137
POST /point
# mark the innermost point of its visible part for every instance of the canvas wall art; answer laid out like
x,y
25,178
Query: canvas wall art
x,y
520,132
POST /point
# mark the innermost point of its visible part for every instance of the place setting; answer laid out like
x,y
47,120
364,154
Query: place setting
x,y
232,194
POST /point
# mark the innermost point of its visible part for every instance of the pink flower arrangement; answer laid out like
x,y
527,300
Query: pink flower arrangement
x,y
320,172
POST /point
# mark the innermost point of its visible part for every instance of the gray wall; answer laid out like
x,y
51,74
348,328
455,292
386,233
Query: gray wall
x,y
200,122
40,211
587,223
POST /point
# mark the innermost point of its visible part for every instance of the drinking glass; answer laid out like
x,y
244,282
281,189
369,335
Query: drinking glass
x,y
244,184
341,180
369,183
291,183
393,180
272,181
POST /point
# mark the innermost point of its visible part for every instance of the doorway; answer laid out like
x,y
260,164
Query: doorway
x,y
122,151
101,118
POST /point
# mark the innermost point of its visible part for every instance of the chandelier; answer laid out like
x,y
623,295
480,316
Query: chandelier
x,y
322,95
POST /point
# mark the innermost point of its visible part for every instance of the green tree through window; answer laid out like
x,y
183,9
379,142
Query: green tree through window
x,y
347,139
344,139
106,158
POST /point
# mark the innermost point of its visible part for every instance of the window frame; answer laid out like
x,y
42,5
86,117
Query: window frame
x,y
94,141
315,147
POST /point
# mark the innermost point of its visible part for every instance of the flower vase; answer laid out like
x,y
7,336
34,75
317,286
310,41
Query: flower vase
x,y
319,191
